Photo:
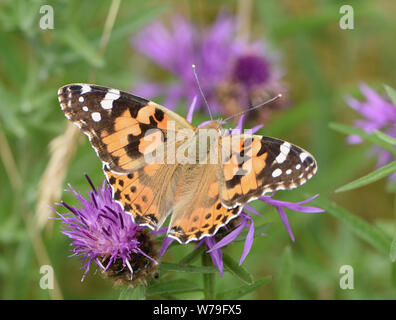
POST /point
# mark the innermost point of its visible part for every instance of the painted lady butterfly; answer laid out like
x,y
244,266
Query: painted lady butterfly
x,y
201,196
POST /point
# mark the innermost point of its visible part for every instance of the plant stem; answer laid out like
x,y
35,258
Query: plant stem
x,y
130,293
209,279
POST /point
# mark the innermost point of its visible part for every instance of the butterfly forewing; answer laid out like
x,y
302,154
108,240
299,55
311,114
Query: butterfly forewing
x,y
117,123
256,165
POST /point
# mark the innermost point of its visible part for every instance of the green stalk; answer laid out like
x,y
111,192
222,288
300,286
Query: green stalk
x,y
209,279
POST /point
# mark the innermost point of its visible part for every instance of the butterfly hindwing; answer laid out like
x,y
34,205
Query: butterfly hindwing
x,y
147,194
198,211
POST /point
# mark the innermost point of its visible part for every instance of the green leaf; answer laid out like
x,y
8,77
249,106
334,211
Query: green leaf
x,y
239,292
391,93
172,287
359,227
76,40
137,293
174,267
364,135
237,271
370,178
286,276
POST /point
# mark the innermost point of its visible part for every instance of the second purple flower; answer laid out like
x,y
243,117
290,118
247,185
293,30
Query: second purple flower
x,y
234,75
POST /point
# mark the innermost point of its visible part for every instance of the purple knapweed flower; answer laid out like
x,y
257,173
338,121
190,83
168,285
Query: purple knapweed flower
x,y
379,114
101,232
230,232
234,75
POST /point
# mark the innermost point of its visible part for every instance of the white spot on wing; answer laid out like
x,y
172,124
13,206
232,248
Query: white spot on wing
x,y
288,171
81,99
280,158
115,92
276,173
284,151
96,116
85,88
303,156
106,104
285,147
85,108
111,95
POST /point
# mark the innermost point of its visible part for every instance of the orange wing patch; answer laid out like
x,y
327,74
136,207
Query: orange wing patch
x,y
202,222
258,165
136,198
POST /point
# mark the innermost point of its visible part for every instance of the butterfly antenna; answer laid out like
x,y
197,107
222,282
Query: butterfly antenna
x,y
200,90
254,108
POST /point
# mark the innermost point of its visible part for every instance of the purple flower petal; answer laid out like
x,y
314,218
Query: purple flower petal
x,y
191,110
165,245
99,228
257,128
285,221
252,210
248,242
216,255
238,128
378,114
292,206
229,237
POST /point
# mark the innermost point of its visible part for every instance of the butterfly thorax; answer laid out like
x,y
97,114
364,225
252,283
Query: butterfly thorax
x,y
215,124
207,142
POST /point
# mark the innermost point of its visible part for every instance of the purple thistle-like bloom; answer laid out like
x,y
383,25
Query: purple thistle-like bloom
x,y
250,70
226,236
233,74
379,114
101,232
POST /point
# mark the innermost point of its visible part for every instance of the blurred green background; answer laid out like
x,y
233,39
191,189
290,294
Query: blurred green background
x,y
324,64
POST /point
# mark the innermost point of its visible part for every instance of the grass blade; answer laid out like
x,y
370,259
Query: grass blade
x,y
385,137
370,178
172,287
82,46
239,292
237,271
359,227
392,253
174,267
364,135
391,93
286,275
